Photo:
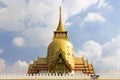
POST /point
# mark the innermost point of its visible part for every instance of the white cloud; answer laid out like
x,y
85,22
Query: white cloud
x,y
25,15
2,65
1,51
19,16
111,54
112,46
106,57
19,41
13,13
90,50
37,36
79,6
67,24
93,17
17,12
18,67
103,4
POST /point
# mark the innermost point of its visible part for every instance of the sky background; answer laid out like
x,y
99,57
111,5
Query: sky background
x,y
26,29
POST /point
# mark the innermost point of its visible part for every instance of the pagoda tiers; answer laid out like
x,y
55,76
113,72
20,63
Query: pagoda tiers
x,y
60,56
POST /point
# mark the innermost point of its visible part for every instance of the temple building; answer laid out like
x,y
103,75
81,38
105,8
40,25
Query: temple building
x,y
60,56
60,63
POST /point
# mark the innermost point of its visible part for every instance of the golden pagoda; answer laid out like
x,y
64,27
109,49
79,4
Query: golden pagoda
x,y
60,56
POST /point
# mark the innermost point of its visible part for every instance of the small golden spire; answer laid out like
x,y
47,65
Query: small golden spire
x,y
60,25
60,12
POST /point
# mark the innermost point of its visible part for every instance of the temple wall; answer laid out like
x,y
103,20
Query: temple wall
x,y
44,77
48,76
109,76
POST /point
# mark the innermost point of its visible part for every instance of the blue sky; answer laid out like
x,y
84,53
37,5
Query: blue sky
x,y
26,29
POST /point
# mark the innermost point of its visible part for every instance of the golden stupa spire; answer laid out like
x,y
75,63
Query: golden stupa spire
x,y
60,25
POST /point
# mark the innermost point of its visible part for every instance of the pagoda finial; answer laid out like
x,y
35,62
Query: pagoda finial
x,y
60,12
60,25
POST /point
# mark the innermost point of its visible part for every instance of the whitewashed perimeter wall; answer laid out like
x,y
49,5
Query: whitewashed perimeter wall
x,y
113,75
44,76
